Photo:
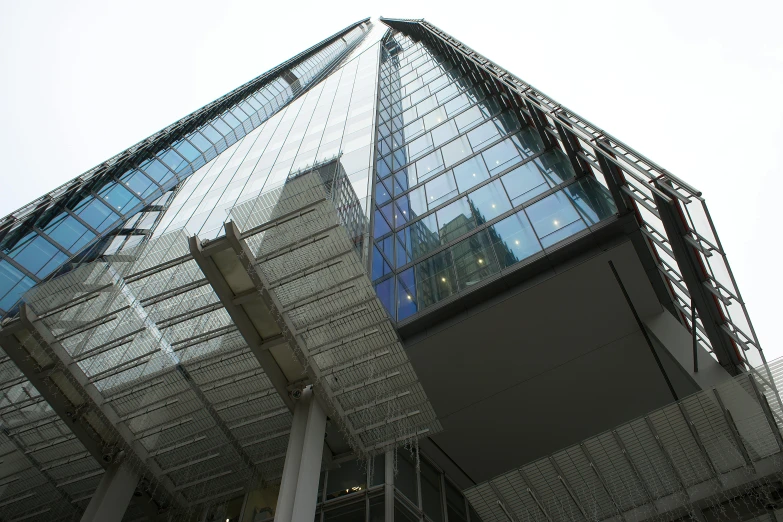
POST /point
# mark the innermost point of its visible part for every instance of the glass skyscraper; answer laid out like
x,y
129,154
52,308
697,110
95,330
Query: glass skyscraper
x,y
385,279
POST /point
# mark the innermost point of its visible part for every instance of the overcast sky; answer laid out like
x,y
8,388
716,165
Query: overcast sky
x,y
696,86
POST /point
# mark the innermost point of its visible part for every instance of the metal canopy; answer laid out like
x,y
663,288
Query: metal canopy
x,y
295,275
705,452
188,377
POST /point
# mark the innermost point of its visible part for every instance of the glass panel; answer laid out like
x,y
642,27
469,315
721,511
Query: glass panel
x,y
455,504
405,480
70,233
377,511
513,239
417,201
443,133
380,226
440,189
406,295
349,478
501,156
385,291
353,512
470,173
431,492
16,292
435,279
9,277
429,165
489,202
555,166
455,151
35,254
119,198
379,265
96,214
483,134
468,118
474,260
554,218
591,199
524,183
455,219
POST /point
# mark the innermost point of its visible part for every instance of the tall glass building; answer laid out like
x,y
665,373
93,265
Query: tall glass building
x,y
386,279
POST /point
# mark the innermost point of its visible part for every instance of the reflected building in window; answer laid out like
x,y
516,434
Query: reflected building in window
x,y
385,280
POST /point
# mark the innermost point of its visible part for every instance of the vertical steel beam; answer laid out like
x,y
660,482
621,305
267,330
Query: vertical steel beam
x,y
114,493
388,486
695,278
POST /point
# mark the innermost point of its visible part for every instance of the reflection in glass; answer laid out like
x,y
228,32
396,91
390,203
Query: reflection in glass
x,y
489,202
554,218
513,239
474,259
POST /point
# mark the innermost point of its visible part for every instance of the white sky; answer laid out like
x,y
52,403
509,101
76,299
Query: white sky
x,y
695,86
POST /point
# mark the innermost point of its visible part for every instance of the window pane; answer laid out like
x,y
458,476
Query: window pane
x,y
429,165
456,151
350,477
419,146
119,198
554,218
435,279
417,200
474,260
489,202
385,291
420,237
35,254
501,156
524,182
431,492
468,118
592,200
443,133
513,239
455,219
440,189
483,134
555,166
406,295
470,173
405,480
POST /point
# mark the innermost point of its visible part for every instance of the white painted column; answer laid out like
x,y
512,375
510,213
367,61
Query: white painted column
x,y
299,485
113,495
388,488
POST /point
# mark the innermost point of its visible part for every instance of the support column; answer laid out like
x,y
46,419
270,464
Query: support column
x,y
388,488
113,495
299,485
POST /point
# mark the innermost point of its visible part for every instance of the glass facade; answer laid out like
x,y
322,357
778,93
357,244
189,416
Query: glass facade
x,y
80,221
354,492
464,189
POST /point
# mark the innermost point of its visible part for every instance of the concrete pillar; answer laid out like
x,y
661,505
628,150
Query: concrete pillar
x,y
113,495
388,488
299,485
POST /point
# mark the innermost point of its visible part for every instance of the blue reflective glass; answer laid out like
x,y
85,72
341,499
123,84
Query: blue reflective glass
x,y
501,156
440,189
455,219
524,182
119,198
138,183
435,279
69,233
35,254
484,133
173,160
382,194
489,202
157,171
455,151
54,263
513,239
200,142
221,126
187,150
9,277
591,199
212,135
385,291
379,265
406,295
380,225
16,293
429,165
474,259
554,218
470,173
96,214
